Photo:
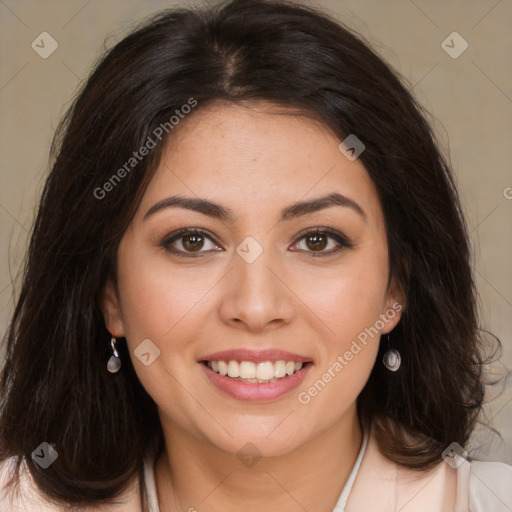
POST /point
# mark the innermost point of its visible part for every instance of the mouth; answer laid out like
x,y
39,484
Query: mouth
x,y
252,376
260,372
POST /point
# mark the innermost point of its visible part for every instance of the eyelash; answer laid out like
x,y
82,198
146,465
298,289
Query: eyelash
x,y
342,240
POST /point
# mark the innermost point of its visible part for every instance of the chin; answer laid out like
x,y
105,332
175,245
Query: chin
x,y
260,444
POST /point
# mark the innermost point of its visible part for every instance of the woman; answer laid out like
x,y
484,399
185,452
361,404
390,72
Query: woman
x,y
248,283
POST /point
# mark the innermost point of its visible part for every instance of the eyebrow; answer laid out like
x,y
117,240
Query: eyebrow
x,y
221,213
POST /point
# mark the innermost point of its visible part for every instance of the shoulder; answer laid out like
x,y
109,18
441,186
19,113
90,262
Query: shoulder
x,y
27,497
468,485
458,486
490,486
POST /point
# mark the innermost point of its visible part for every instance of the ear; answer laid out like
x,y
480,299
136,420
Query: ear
x,y
110,307
394,306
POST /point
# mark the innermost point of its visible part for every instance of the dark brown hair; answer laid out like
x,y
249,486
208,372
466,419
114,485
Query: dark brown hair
x,y
55,387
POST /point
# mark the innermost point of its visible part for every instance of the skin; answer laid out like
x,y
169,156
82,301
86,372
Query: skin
x,y
254,162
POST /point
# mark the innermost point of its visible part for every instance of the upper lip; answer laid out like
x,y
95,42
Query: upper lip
x,y
254,356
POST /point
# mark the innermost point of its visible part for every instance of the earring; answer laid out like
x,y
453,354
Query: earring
x,y
392,359
114,363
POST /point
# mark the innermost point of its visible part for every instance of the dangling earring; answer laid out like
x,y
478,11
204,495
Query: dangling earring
x,y
114,363
392,359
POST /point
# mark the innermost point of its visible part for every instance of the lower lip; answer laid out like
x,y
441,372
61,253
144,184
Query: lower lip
x,y
256,392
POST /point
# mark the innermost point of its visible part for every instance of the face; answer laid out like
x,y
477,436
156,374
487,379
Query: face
x,y
266,277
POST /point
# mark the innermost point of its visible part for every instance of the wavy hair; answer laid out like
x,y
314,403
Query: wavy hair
x,y
54,386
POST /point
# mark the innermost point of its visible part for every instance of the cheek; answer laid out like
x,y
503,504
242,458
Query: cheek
x,y
163,306
349,299
350,306
347,306
156,297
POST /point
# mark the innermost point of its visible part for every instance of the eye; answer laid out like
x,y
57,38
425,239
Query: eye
x,y
317,239
188,242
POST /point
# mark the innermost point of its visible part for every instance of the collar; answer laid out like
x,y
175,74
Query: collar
x,y
384,486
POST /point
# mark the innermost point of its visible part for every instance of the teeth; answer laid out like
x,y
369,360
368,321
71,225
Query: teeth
x,y
279,369
223,367
247,371
233,369
265,371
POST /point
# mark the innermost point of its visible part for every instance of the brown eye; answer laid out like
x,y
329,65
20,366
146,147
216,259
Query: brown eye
x,y
188,241
192,242
316,242
318,239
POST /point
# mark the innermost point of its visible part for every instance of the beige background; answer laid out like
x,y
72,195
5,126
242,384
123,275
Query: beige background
x,y
470,98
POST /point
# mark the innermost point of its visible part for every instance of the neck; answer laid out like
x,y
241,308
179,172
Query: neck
x,y
194,475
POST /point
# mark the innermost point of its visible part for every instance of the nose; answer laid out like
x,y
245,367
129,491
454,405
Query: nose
x,y
257,296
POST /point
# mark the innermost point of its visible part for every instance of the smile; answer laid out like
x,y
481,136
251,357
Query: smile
x,y
242,380
260,372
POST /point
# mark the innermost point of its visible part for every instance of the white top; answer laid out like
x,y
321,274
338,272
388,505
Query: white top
x,y
149,480
490,484
479,486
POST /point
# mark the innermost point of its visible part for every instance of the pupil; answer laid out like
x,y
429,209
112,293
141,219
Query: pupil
x,y
191,242
317,244
194,242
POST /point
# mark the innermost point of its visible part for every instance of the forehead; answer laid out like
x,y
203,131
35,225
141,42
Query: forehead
x,y
257,156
